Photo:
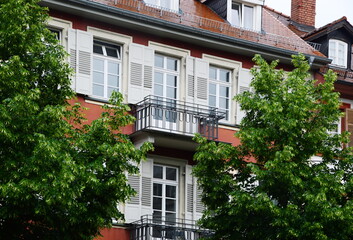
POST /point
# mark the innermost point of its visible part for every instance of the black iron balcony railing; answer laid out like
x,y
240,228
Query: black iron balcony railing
x,y
170,115
152,228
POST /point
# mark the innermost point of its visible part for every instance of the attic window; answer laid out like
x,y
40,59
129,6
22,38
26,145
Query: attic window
x,y
166,4
338,52
242,15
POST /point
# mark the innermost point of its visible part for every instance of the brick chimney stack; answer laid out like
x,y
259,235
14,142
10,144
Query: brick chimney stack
x,y
303,12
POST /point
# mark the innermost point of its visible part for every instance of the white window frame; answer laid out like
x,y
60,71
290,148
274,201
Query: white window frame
x,y
123,41
172,5
219,83
164,182
60,25
106,60
242,7
234,68
334,54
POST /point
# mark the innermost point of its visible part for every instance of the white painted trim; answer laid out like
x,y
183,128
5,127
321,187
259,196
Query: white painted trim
x,y
63,26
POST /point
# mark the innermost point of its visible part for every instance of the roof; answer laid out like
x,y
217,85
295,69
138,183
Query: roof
x,y
332,26
198,15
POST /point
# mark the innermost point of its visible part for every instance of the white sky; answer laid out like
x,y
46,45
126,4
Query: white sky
x,y
326,10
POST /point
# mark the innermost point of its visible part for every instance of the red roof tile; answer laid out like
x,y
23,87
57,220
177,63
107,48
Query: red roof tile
x,y
195,14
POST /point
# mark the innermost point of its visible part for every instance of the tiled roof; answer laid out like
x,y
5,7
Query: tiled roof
x,y
195,14
323,28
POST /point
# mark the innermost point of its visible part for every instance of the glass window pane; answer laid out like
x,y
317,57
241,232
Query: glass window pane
x,y
158,90
172,64
236,14
97,49
158,61
224,91
212,101
171,173
170,191
113,81
98,90
111,52
157,189
248,17
170,217
158,172
223,103
212,89
98,77
111,90
157,216
170,205
171,92
213,73
157,203
158,77
224,75
98,64
113,67
171,80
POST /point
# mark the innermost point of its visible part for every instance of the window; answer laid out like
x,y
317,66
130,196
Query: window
x,y
242,15
106,69
165,195
166,76
338,52
167,4
57,33
219,89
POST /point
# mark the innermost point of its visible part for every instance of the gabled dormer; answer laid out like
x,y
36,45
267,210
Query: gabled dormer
x,y
239,13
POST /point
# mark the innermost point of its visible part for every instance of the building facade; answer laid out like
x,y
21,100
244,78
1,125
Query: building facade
x,y
178,64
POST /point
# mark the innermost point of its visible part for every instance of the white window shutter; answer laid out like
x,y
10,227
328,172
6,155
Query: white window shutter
x,y
141,61
146,191
201,77
141,203
190,79
73,55
244,81
84,51
199,206
189,193
133,206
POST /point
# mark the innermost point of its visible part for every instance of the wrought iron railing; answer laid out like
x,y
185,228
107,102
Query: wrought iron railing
x,y
174,116
152,228
342,74
316,46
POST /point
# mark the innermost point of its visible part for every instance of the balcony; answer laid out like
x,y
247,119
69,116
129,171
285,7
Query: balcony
x,y
342,74
149,228
173,116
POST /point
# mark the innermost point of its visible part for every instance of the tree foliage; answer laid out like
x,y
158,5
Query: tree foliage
x,y
59,177
267,187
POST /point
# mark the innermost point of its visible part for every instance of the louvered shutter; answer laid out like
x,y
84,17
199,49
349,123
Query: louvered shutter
x,y
141,61
73,57
349,124
146,191
141,203
190,79
244,80
352,57
201,78
133,206
84,51
194,206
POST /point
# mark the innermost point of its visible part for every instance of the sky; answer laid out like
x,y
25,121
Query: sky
x,y
326,10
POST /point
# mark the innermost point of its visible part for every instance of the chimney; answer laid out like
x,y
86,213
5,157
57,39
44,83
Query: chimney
x,y
303,12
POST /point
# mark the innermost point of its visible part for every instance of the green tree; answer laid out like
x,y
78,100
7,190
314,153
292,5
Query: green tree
x,y
267,187
59,178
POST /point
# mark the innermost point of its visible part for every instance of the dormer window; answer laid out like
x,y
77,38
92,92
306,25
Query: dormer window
x,y
242,15
166,4
338,52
